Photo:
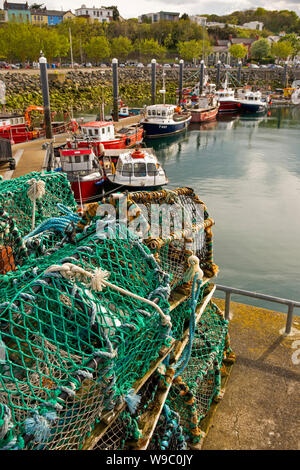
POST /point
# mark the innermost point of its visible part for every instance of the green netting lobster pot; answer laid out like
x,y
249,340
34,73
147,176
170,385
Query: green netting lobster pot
x,y
73,343
179,227
37,193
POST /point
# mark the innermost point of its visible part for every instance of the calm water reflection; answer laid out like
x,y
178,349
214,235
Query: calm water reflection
x,y
247,170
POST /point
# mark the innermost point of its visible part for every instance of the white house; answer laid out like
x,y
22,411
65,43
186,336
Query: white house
x,y
200,20
101,14
254,25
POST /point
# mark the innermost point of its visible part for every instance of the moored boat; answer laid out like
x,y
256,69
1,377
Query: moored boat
x,y
204,109
84,172
165,119
253,103
227,101
97,133
136,169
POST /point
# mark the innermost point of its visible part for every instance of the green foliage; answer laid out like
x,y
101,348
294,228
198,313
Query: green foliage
x,y
260,49
98,48
275,21
238,51
121,47
294,40
150,48
193,49
282,50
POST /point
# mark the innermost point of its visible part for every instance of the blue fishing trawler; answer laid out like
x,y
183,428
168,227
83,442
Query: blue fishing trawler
x,y
165,119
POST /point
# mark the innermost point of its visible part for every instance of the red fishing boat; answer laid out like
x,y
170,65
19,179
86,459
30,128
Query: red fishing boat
x,y
21,128
204,109
97,133
84,172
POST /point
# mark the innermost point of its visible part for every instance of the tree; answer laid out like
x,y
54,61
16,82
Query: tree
x,y
37,6
238,51
193,49
116,14
184,16
121,47
149,48
97,48
282,50
260,49
294,40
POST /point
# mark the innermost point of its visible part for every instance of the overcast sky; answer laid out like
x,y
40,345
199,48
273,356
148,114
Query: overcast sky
x,y
133,8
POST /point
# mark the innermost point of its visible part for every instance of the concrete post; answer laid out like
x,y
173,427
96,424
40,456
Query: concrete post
x,y
153,81
115,90
46,97
218,74
181,64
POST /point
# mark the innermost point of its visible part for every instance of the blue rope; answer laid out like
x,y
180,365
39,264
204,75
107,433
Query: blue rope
x,y
183,361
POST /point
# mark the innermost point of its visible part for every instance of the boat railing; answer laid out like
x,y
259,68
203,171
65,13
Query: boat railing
x,y
291,304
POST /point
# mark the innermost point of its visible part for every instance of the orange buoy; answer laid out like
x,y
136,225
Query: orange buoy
x,y
7,262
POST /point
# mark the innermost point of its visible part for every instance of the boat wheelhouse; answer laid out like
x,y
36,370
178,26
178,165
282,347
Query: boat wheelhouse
x,y
252,102
95,133
135,169
164,119
84,172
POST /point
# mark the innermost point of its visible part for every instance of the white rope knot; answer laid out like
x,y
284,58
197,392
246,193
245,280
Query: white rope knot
x,y
96,280
171,196
194,268
36,190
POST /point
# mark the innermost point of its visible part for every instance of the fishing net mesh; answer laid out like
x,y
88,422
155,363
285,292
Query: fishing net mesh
x,y
192,392
17,195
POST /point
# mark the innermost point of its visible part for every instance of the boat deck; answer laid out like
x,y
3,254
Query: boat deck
x,y
260,408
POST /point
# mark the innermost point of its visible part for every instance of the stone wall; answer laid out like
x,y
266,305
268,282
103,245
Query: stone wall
x,y
87,88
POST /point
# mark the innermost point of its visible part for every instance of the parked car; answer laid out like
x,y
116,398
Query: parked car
x,y
103,66
14,66
226,66
140,65
167,66
175,65
121,65
89,65
253,66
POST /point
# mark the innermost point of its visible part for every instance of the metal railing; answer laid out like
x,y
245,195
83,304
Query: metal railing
x,y
269,298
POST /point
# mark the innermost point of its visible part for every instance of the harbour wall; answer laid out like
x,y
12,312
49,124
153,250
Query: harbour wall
x,y
84,89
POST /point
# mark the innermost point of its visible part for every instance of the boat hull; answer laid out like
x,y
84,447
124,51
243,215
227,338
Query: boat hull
x,y
86,190
126,141
253,108
229,106
160,130
204,115
123,187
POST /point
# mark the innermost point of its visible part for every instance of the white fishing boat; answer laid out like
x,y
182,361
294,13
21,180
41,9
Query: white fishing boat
x,y
135,169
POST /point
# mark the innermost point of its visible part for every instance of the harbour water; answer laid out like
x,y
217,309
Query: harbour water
x,y
247,170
